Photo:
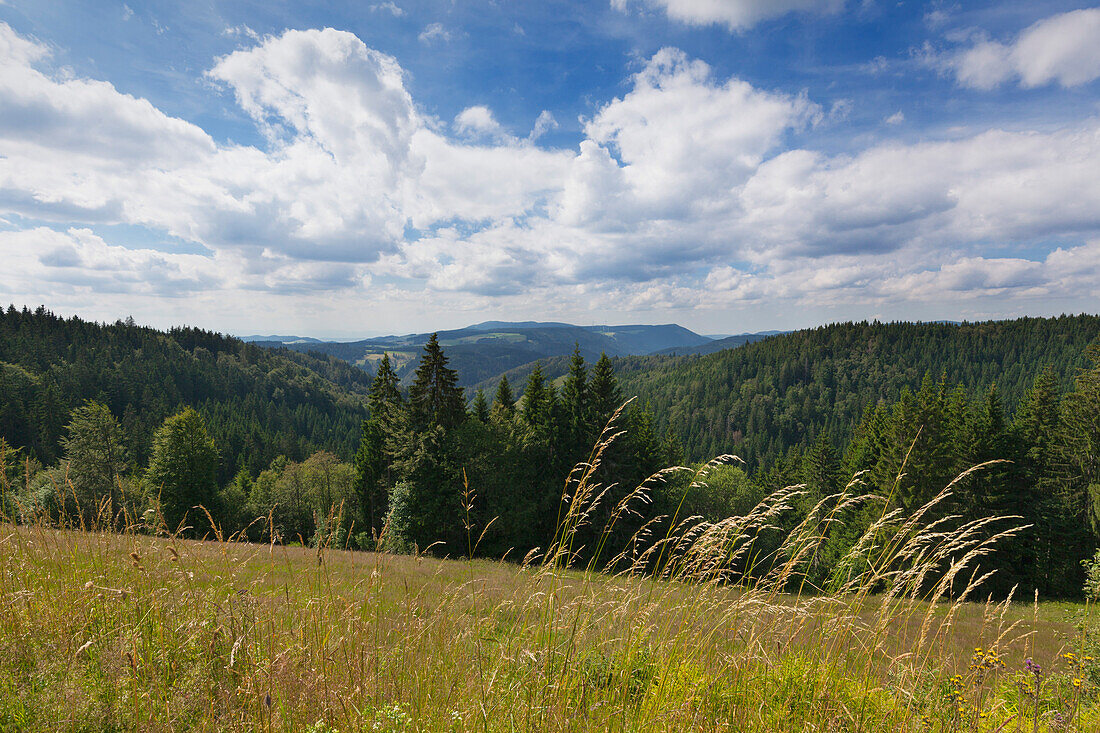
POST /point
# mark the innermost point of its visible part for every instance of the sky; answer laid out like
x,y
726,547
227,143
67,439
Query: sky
x,y
353,168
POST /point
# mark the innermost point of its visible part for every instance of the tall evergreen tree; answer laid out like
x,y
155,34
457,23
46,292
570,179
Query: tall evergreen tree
x,y
481,407
538,398
435,397
371,467
603,390
576,403
384,389
504,402
1059,535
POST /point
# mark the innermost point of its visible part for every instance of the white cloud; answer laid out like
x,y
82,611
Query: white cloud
x,y
389,7
434,32
684,192
40,257
544,123
477,121
685,140
896,119
242,30
1062,49
734,14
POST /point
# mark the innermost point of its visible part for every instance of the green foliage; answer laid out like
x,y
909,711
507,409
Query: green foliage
x,y
434,397
312,501
604,390
1092,577
504,402
761,399
384,390
183,469
257,403
480,408
96,459
371,468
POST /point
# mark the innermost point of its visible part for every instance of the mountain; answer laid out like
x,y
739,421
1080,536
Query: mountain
x,y
764,397
258,402
720,344
281,339
488,349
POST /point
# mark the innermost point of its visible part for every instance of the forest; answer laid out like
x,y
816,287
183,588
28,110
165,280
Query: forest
x,y
121,421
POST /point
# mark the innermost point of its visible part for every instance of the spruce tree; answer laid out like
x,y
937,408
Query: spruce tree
x,y
537,398
1058,532
435,399
481,407
371,467
504,402
603,391
576,403
384,390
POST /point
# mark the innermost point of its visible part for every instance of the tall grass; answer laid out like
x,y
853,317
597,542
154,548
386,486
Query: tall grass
x,y
690,625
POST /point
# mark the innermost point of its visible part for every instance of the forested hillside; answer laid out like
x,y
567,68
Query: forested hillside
x,y
258,403
760,399
106,412
486,350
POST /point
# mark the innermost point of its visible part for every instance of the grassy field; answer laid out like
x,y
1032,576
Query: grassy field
x,y
137,629
105,631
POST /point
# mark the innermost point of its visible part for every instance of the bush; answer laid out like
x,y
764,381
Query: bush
x,y
1092,577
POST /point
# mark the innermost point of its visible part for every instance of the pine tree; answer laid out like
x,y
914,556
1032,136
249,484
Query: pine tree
x,y
435,397
537,398
481,407
384,390
504,403
1058,529
576,403
603,391
371,467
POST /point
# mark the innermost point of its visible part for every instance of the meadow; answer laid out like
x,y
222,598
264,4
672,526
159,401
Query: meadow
x,y
143,630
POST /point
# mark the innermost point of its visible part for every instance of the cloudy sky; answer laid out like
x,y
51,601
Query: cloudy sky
x,y
360,166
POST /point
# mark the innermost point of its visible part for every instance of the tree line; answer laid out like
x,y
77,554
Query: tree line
x,y
437,471
257,403
761,399
429,467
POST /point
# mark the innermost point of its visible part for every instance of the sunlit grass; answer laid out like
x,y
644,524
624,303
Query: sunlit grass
x,y
143,631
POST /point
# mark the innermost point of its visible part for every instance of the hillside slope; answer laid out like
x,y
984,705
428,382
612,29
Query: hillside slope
x,y
486,350
759,399
258,402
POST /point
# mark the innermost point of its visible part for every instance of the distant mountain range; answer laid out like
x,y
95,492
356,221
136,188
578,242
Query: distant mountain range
x,y
720,344
485,350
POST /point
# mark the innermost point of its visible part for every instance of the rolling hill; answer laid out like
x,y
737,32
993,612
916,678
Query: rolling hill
x,y
486,350
258,403
761,398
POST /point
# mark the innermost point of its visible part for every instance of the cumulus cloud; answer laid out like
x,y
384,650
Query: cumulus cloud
x,y
683,140
683,193
77,258
476,122
734,14
1062,49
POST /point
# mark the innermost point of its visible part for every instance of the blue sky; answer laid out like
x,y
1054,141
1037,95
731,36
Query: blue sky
x,y
342,169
